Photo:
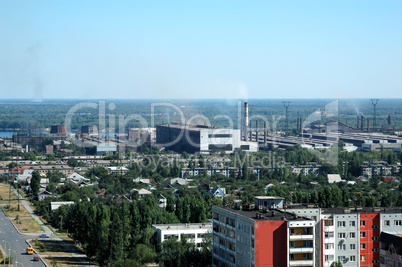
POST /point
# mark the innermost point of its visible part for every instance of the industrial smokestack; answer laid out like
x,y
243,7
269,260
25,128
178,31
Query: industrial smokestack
x,y
389,119
357,123
265,134
368,125
245,120
256,131
251,130
362,123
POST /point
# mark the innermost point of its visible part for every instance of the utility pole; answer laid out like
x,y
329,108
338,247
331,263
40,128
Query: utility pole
x,y
286,105
374,102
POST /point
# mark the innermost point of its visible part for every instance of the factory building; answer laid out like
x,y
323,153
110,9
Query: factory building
x,y
201,139
60,130
90,129
140,136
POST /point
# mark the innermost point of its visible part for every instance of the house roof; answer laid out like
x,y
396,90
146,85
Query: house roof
x,y
334,178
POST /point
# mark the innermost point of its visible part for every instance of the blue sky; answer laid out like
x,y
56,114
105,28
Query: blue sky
x,y
200,49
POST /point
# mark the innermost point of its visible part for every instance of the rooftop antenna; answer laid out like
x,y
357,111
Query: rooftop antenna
x,y
286,105
374,102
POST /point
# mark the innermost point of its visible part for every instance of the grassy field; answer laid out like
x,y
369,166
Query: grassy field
x,y
27,225
20,218
5,194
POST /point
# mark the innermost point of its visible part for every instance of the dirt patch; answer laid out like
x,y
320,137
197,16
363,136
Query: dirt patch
x,y
27,225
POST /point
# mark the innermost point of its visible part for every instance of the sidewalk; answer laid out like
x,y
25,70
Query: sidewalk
x,y
32,213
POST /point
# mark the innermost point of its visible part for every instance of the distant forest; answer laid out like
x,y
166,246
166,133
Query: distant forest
x,y
16,114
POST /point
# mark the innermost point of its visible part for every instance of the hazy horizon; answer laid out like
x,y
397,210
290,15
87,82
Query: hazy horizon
x,y
200,50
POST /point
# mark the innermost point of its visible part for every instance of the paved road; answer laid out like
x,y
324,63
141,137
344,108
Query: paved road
x,y
14,243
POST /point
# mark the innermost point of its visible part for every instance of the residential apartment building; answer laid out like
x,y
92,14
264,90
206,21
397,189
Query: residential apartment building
x,y
391,249
253,237
350,235
260,233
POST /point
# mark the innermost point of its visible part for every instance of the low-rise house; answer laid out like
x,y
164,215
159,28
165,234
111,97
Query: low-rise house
x,y
180,181
142,181
44,194
56,204
162,201
77,178
141,192
195,232
218,192
334,178
117,170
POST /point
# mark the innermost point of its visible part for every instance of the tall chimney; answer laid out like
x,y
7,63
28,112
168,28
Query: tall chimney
x,y
368,125
256,131
251,131
245,120
357,124
265,134
362,123
389,119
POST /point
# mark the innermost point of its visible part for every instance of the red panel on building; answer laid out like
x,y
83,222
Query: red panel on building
x,y
369,239
271,243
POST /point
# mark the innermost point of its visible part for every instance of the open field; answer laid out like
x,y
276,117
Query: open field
x,y
27,225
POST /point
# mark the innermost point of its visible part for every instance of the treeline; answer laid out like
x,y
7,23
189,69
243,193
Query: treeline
x,y
115,229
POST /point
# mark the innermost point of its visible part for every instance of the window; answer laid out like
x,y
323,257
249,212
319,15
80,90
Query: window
x,y
362,223
341,258
329,234
292,257
363,258
374,261
386,223
352,235
363,246
374,250
374,227
352,223
342,247
341,235
352,246
363,235
292,244
329,257
352,258
328,222
398,222
329,245
341,224
374,238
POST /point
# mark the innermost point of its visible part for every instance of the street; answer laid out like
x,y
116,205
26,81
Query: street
x,y
14,244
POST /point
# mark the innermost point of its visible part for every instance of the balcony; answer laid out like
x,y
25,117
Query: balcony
x,y
301,263
293,250
301,237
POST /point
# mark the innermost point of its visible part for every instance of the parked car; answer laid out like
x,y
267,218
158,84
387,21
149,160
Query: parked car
x,y
44,236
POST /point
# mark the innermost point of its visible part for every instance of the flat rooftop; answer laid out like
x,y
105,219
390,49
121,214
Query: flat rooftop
x,y
270,215
193,127
352,210
182,226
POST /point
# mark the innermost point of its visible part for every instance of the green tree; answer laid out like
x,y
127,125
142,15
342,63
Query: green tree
x,y
35,183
